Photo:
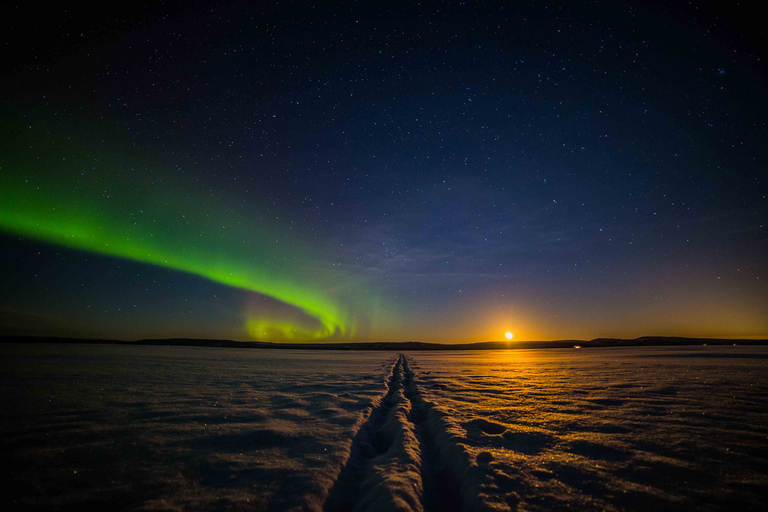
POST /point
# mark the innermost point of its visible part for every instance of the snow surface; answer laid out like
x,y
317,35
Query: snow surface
x,y
642,428
181,428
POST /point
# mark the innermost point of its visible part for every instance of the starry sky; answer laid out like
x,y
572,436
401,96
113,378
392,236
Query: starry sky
x,y
365,171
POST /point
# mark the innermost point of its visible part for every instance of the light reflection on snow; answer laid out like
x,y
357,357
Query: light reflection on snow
x,y
215,428
612,429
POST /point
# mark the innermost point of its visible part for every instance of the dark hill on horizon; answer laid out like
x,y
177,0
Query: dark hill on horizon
x,y
401,346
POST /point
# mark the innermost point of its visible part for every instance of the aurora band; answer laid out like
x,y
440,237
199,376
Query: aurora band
x,y
83,199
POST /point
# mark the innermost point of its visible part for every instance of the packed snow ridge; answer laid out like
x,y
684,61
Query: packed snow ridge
x,y
405,457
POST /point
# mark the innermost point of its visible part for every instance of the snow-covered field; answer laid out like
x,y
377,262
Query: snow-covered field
x,y
181,428
166,428
644,428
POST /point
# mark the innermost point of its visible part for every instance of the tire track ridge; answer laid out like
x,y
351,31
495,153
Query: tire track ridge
x,y
452,479
382,470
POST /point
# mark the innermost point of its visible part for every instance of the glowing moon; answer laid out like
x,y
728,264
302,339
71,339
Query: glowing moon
x,y
508,335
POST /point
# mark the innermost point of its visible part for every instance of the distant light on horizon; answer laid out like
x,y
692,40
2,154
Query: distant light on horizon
x,y
508,335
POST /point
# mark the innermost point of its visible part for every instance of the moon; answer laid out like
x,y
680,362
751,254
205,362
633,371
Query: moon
x,y
508,335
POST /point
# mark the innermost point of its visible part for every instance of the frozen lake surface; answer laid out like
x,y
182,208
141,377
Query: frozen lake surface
x,y
643,428
180,428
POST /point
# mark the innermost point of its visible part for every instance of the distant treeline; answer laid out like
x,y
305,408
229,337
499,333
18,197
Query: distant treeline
x,y
401,346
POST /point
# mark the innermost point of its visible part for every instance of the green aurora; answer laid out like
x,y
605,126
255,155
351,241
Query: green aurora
x,y
61,190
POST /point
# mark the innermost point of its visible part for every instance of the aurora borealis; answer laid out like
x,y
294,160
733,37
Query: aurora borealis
x,y
123,212
336,171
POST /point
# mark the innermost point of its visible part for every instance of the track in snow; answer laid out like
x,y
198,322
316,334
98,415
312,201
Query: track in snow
x,y
394,463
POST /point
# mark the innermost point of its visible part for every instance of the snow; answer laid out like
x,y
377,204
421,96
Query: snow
x,y
163,428
603,429
179,428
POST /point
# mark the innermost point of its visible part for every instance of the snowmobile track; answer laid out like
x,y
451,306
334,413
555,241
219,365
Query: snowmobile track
x,y
394,463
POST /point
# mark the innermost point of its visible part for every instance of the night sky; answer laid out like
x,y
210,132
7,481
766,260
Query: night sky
x,y
434,171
